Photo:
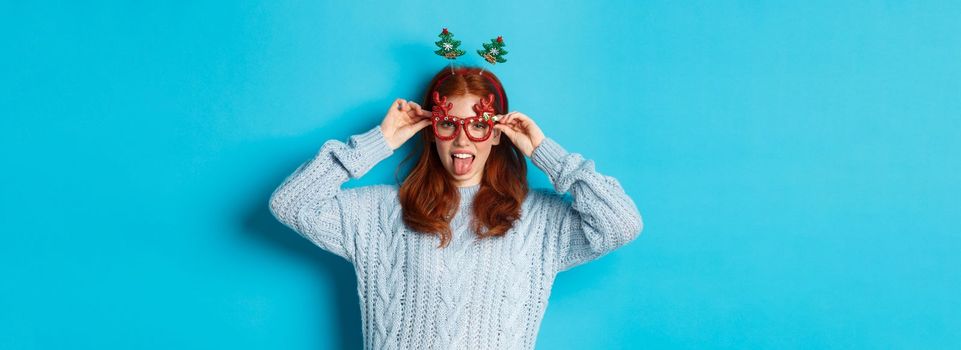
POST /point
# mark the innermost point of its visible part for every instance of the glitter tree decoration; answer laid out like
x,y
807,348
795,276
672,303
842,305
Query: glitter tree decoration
x,y
494,51
448,45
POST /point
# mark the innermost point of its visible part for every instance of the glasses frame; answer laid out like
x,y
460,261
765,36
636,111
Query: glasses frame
x,y
484,110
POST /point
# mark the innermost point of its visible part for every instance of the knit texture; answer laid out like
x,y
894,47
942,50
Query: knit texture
x,y
477,293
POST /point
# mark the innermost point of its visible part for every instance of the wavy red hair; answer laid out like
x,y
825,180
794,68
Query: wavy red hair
x,y
428,193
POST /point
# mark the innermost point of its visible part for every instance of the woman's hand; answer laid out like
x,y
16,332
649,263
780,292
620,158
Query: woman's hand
x,y
403,120
521,129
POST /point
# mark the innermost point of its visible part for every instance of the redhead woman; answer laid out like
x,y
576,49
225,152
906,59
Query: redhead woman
x,y
462,254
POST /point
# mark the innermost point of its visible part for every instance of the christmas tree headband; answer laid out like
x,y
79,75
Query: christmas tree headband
x,y
493,52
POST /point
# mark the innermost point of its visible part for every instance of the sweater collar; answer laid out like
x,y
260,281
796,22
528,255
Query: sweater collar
x,y
467,193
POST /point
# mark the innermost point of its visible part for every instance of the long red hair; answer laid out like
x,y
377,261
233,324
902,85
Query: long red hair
x,y
428,193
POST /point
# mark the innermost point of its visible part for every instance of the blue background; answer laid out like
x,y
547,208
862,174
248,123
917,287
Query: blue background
x,y
796,166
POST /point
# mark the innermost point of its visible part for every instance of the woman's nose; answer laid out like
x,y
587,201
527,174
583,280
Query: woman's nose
x,y
462,138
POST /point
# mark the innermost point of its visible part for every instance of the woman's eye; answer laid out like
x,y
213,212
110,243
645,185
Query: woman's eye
x,y
479,125
447,124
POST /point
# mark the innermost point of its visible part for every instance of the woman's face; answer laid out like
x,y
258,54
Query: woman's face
x,y
467,171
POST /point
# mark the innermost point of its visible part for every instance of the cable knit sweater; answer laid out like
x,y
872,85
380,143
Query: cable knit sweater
x,y
476,293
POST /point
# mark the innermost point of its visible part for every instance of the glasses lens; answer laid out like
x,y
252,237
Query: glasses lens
x,y
478,129
445,128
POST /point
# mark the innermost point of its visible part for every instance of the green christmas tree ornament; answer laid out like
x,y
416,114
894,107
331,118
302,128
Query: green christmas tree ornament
x,y
448,45
494,51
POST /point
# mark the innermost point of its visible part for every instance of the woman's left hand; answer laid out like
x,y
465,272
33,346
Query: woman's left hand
x,y
521,129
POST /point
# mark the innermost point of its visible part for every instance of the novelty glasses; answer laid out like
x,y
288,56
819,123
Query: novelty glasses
x,y
478,128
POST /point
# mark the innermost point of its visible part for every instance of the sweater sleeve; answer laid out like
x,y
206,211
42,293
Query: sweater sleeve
x,y
600,217
311,201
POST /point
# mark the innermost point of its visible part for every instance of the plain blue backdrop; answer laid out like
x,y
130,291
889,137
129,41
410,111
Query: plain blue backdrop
x,y
796,165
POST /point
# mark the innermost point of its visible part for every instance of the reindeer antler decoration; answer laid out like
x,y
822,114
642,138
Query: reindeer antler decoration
x,y
485,108
441,106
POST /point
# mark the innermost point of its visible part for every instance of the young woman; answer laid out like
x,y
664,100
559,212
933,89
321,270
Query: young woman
x,y
461,255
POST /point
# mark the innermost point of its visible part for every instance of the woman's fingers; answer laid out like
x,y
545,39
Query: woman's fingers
x,y
415,127
513,120
510,130
423,123
508,119
517,117
419,111
413,111
506,130
416,106
516,125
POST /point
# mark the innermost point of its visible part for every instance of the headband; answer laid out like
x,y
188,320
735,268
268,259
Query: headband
x,y
493,53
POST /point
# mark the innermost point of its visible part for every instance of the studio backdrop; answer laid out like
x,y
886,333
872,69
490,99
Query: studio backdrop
x,y
796,166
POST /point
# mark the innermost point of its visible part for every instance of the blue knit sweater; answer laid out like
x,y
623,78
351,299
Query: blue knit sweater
x,y
476,293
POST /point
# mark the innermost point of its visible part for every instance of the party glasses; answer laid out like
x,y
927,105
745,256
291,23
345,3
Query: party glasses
x,y
478,128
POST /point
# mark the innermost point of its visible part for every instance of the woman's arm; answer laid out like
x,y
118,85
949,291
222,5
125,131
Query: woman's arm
x,y
600,218
311,202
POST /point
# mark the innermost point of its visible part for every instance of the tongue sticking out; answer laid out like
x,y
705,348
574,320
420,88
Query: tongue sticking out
x,y
462,166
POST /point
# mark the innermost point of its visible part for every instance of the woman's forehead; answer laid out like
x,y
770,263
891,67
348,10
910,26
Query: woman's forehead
x,y
463,103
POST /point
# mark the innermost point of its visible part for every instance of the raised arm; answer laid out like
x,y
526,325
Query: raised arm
x,y
311,202
600,217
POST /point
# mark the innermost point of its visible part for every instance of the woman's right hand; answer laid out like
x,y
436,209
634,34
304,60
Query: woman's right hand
x,y
403,120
